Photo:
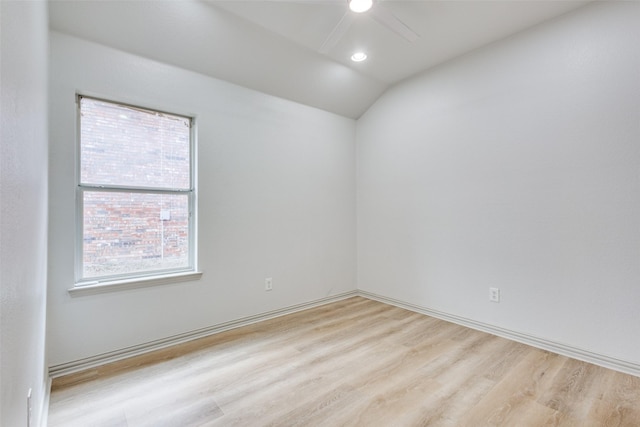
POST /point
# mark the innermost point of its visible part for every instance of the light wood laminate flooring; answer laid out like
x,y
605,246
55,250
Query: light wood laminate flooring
x,y
354,362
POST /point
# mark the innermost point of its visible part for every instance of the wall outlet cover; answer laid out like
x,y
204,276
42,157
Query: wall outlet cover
x,y
494,294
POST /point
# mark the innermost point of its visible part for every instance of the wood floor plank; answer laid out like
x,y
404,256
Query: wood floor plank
x,y
513,397
355,362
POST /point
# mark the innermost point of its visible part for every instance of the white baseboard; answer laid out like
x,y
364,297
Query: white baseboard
x,y
113,356
544,344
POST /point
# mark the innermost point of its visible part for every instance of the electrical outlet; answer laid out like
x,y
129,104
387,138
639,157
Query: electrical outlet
x,y
494,294
268,284
29,408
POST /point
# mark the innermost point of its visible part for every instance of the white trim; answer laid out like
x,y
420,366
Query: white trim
x,y
92,288
113,356
542,343
82,188
44,409
558,348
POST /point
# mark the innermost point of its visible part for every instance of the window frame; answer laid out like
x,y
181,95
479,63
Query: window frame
x,y
139,278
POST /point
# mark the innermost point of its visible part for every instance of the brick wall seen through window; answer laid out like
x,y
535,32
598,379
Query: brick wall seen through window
x,y
135,190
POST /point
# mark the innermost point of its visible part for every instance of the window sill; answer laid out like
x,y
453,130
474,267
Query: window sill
x,y
139,282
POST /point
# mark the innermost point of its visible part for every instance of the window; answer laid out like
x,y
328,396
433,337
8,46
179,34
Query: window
x,y
135,193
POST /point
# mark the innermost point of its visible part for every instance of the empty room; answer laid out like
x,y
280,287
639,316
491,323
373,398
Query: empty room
x,y
320,213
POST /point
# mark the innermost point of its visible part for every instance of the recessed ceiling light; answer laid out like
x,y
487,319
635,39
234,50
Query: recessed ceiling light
x,y
358,57
360,5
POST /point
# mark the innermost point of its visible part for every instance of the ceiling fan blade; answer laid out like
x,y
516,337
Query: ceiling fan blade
x,y
338,32
384,17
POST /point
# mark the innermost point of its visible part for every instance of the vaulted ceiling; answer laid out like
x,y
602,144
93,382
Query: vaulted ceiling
x,y
289,48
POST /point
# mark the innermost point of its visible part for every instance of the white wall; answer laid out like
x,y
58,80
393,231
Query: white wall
x,y
515,167
23,213
276,199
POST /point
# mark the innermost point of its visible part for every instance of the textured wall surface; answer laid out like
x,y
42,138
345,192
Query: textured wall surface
x,y
23,203
276,199
514,167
